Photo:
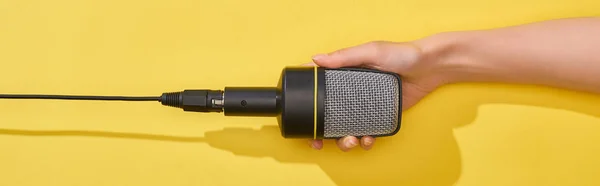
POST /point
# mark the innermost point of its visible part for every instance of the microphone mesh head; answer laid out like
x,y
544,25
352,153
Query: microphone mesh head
x,y
360,103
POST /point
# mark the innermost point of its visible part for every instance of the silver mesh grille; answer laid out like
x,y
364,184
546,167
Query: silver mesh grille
x,y
360,103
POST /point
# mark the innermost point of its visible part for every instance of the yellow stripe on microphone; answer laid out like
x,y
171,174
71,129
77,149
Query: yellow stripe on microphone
x,y
315,103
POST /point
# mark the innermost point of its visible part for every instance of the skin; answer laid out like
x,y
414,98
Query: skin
x,y
562,53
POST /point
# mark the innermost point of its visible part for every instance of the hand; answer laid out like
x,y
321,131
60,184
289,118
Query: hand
x,y
417,69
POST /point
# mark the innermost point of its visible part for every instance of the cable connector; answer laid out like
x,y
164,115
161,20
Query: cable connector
x,y
194,100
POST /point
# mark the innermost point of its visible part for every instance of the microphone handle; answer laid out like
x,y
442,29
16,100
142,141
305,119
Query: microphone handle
x,y
298,101
251,101
232,101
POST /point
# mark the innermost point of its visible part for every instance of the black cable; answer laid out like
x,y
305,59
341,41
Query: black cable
x,y
80,97
198,100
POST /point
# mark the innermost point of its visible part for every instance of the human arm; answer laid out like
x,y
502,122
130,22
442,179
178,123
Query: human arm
x,y
558,53
561,53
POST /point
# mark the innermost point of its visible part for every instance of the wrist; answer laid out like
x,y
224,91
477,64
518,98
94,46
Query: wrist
x,y
449,56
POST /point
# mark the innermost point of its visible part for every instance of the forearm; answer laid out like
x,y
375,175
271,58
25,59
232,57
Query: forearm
x,y
559,53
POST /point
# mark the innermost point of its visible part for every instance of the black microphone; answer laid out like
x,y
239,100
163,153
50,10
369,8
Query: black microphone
x,y
308,102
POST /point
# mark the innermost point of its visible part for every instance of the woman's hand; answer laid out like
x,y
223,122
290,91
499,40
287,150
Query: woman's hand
x,y
522,54
416,67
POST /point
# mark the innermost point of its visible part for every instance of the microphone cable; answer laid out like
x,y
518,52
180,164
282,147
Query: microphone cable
x,y
80,97
200,100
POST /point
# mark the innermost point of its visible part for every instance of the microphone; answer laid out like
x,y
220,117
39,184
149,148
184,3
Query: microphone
x,y
308,102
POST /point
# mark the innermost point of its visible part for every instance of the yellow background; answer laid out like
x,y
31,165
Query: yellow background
x,y
467,135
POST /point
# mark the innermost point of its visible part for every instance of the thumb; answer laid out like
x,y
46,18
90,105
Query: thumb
x,y
379,55
370,54
367,54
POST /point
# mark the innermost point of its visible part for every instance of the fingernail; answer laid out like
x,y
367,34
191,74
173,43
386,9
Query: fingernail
x,y
318,57
350,143
368,142
316,146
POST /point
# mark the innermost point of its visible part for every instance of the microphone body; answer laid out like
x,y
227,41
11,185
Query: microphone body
x,y
310,102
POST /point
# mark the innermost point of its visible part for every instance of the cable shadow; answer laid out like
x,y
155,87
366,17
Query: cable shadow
x,y
387,160
394,160
101,134
424,152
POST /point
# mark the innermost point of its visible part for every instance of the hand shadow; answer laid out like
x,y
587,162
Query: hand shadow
x,y
431,159
424,152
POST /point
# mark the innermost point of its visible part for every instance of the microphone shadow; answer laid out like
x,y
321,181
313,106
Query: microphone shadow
x,y
424,152
393,161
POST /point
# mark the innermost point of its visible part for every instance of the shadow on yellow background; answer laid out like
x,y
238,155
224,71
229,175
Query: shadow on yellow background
x,y
424,153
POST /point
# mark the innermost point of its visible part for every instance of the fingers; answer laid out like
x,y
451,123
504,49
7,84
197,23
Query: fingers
x,y
361,55
367,142
368,54
372,54
346,143
316,144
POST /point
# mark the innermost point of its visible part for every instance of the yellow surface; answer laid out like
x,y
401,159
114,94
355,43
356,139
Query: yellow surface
x,y
467,135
